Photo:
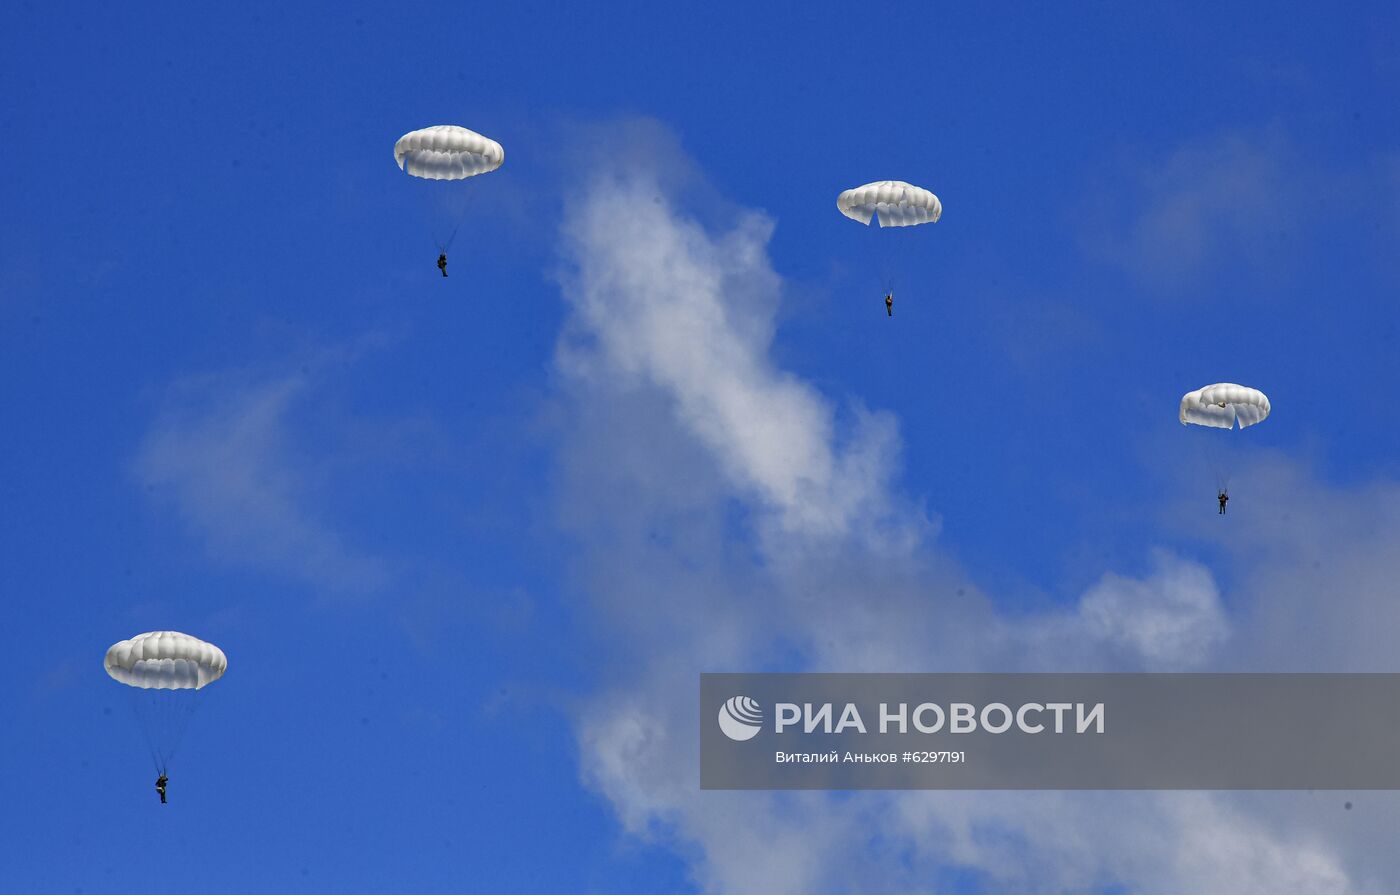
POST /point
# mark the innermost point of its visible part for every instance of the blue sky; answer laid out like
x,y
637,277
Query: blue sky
x,y
468,543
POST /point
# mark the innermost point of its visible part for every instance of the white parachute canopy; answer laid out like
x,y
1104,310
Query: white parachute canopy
x,y
894,202
165,660
447,152
1223,405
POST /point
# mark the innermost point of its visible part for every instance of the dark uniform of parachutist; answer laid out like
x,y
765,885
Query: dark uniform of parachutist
x,y
1223,498
889,303
442,263
160,786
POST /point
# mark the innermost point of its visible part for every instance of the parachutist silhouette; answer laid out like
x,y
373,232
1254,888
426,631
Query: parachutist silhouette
x,y
889,303
1223,498
160,786
442,263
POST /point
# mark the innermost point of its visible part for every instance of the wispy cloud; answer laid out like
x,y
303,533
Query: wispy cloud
x,y
730,517
1172,618
667,305
1315,565
223,451
1171,220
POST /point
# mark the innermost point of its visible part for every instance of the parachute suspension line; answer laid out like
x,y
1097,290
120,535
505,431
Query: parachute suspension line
x,y
1219,456
468,192
894,249
880,251
461,216
451,237
146,733
164,716
178,708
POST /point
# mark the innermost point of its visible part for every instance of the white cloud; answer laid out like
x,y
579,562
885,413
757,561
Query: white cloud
x,y
1233,199
1173,619
221,452
666,304
1151,843
730,517
1314,565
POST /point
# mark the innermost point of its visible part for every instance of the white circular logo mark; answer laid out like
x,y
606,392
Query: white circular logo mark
x,y
740,718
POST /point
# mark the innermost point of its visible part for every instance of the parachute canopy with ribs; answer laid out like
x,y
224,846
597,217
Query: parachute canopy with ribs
x,y
894,202
447,152
165,660
1223,405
